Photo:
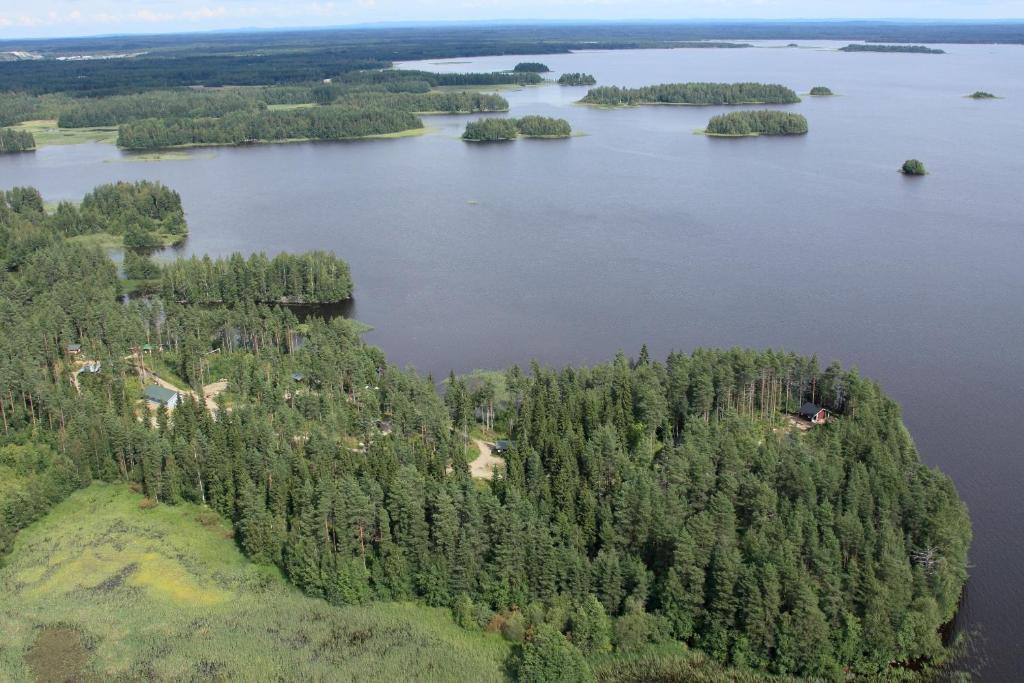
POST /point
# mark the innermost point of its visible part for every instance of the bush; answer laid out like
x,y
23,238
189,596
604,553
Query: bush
x,y
913,167
547,657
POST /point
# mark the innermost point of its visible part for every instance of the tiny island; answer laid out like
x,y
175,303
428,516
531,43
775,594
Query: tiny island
x,y
874,47
913,167
576,79
698,94
503,130
753,123
821,91
982,95
531,68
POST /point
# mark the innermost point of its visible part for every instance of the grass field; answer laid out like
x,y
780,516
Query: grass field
x,y
46,133
105,240
104,590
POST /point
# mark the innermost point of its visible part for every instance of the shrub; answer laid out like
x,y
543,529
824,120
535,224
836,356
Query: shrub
x,y
913,167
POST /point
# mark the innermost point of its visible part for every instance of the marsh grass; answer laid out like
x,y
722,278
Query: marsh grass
x,y
102,589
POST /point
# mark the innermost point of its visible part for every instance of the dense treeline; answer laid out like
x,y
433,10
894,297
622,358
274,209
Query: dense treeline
x,y
318,123
314,277
692,93
576,79
437,80
820,91
491,130
642,504
12,140
144,214
16,107
455,102
531,67
408,95
497,130
262,58
110,111
764,122
543,127
872,47
982,95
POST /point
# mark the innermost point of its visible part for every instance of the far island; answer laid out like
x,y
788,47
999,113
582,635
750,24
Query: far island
x,y
981,95
872,47
576,79
913,167
531,68
702,94
752,123
821,91
502,130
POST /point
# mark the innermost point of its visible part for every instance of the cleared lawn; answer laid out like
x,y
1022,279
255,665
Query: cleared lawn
x,y
104,590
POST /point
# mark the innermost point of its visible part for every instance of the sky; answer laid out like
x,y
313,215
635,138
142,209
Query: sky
x,y
49,18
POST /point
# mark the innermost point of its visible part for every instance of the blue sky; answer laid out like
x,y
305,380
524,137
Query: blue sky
x,y
29,18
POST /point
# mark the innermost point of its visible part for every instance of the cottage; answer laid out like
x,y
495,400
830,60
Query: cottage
x,y
74,349
503,445
161,396
298,376
813,412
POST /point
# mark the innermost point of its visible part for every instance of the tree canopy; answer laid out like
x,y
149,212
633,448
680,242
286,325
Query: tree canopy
x,y
764,122
576,79
913,167
692,93
641,503
12,140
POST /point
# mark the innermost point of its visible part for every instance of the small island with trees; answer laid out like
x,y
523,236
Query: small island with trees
x,y
873,47
701,94
531,68
753,123
821,91
503,130
12,140
913,167
982,95
576,79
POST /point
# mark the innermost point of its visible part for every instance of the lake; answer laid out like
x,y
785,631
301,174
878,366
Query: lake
x,y
640,231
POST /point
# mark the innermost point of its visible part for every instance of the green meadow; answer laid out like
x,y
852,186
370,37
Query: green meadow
x,y
106,588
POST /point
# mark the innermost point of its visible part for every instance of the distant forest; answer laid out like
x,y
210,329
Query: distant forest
x,y
303,56
499,130
692,93
871,47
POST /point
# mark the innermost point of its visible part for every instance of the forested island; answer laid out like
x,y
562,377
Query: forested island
x,y
242,127
982,95
821,91
16,141
576,79
531,67
357,105
692,93
645,512
913,167
501,130
752,123
874,47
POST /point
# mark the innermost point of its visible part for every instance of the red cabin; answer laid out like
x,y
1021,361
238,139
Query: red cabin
x,y
815,413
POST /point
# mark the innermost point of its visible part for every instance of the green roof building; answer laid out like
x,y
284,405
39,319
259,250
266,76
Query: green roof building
x,y
155,393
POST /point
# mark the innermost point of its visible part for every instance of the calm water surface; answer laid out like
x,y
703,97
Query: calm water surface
x,y
469,256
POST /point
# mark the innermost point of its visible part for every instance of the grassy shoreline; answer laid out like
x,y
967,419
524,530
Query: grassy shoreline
x,y
47,133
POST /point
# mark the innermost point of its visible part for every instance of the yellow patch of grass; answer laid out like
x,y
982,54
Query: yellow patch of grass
x,y
46,132
168,579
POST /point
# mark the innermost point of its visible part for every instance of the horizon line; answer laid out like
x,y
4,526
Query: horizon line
x,y
425,23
